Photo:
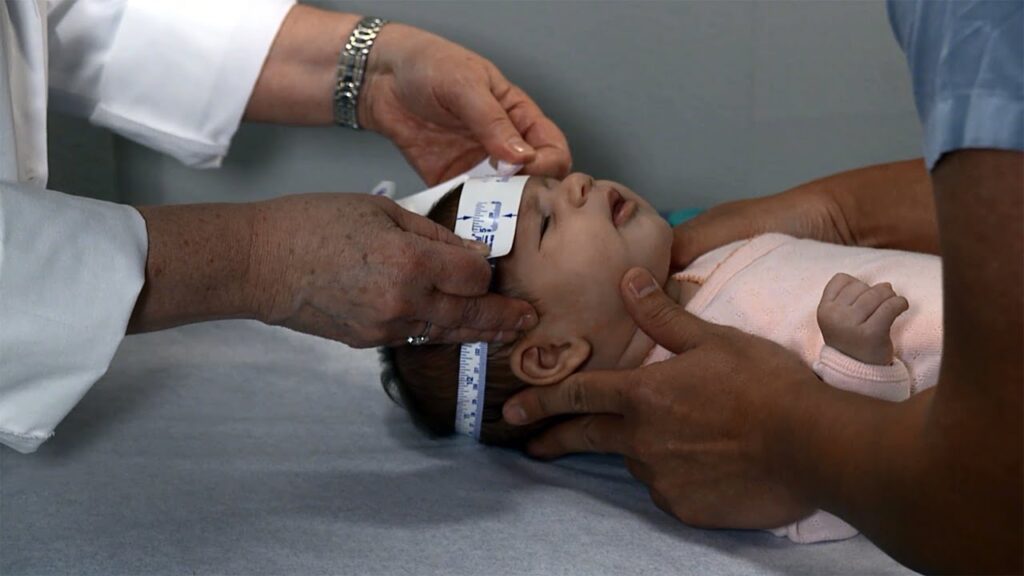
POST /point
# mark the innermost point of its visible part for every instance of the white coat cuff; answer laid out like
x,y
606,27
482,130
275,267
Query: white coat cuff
x,y
70,272
180,73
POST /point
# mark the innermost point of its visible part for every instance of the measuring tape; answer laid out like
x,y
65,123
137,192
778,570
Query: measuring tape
x,y
488,212
469,406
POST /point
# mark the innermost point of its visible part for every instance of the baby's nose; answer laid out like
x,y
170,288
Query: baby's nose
x,y
580,185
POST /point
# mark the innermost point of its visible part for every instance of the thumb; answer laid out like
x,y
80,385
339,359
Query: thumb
x,y
427,228
659,316
477,107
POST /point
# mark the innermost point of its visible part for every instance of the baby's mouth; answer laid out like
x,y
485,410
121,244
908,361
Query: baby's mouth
x,y
622,209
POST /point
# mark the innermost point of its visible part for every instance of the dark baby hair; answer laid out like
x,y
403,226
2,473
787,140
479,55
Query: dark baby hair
x,y
424,379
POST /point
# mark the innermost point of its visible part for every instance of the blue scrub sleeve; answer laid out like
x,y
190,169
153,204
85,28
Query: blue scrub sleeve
x,y
967,63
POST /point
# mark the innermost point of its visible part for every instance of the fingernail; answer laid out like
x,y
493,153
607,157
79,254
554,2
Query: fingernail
x,y
519,146
514,413
525,322
497,337
480,247
642,284
506,169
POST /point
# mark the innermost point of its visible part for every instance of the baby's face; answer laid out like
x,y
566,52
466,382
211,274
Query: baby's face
x,y
574,241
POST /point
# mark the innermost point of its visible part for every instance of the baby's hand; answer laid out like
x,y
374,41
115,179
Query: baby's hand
x,y
856,318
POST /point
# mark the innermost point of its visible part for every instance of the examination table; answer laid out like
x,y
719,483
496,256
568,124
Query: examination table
x,y
236,448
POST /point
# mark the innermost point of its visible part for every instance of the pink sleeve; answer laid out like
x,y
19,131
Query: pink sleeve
x,y
818,527
890,382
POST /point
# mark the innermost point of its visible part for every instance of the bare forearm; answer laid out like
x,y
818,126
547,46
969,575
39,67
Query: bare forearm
x,y
866,461
937,481
197,267
296,85
882,206
938,494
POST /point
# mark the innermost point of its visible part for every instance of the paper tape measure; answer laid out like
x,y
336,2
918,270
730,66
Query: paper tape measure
x,y
469,406
488,212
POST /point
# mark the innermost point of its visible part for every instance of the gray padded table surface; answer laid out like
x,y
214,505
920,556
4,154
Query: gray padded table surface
x,y
235,448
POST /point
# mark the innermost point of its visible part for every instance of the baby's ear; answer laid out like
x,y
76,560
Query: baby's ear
x,y
540,360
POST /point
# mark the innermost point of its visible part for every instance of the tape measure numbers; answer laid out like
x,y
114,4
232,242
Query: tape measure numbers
x,y
469,406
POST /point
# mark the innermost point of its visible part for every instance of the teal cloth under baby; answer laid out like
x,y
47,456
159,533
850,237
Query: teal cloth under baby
x,y
677,217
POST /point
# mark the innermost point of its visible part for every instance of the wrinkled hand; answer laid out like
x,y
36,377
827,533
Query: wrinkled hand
x,y
856,319
447,108
707,431
794,213
361,270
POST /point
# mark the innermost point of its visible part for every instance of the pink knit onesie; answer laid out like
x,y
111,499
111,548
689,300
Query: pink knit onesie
x,y
770,286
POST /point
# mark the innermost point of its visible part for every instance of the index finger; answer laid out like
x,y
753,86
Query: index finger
x,y
835,286
595,433
474,316
427,228
552,149
449,263
455,271
582,393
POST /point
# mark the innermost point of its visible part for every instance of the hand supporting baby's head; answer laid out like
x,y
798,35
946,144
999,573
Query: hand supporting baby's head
x,y
574,240
424,379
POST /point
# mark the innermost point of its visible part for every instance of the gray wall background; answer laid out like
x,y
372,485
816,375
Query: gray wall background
x,y
689,103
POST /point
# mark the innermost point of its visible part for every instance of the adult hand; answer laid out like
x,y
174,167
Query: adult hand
x,y
361,270
797,214
447,108
707,431
883,206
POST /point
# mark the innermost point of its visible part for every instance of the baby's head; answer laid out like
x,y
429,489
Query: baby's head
x,y
574,240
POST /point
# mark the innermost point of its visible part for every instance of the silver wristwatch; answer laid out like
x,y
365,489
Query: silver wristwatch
x,y
352,69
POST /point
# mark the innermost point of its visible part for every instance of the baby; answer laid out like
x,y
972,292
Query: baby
x,y
576,238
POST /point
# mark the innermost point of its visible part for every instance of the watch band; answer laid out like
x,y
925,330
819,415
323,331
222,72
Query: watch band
x,y
352,70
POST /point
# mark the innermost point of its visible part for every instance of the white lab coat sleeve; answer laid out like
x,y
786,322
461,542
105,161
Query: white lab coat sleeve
x,y
70,272
174,75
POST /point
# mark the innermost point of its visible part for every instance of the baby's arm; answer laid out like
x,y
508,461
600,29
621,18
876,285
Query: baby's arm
x,y
855,321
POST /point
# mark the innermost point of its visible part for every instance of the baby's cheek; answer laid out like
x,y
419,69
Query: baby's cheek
x,y
609,337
